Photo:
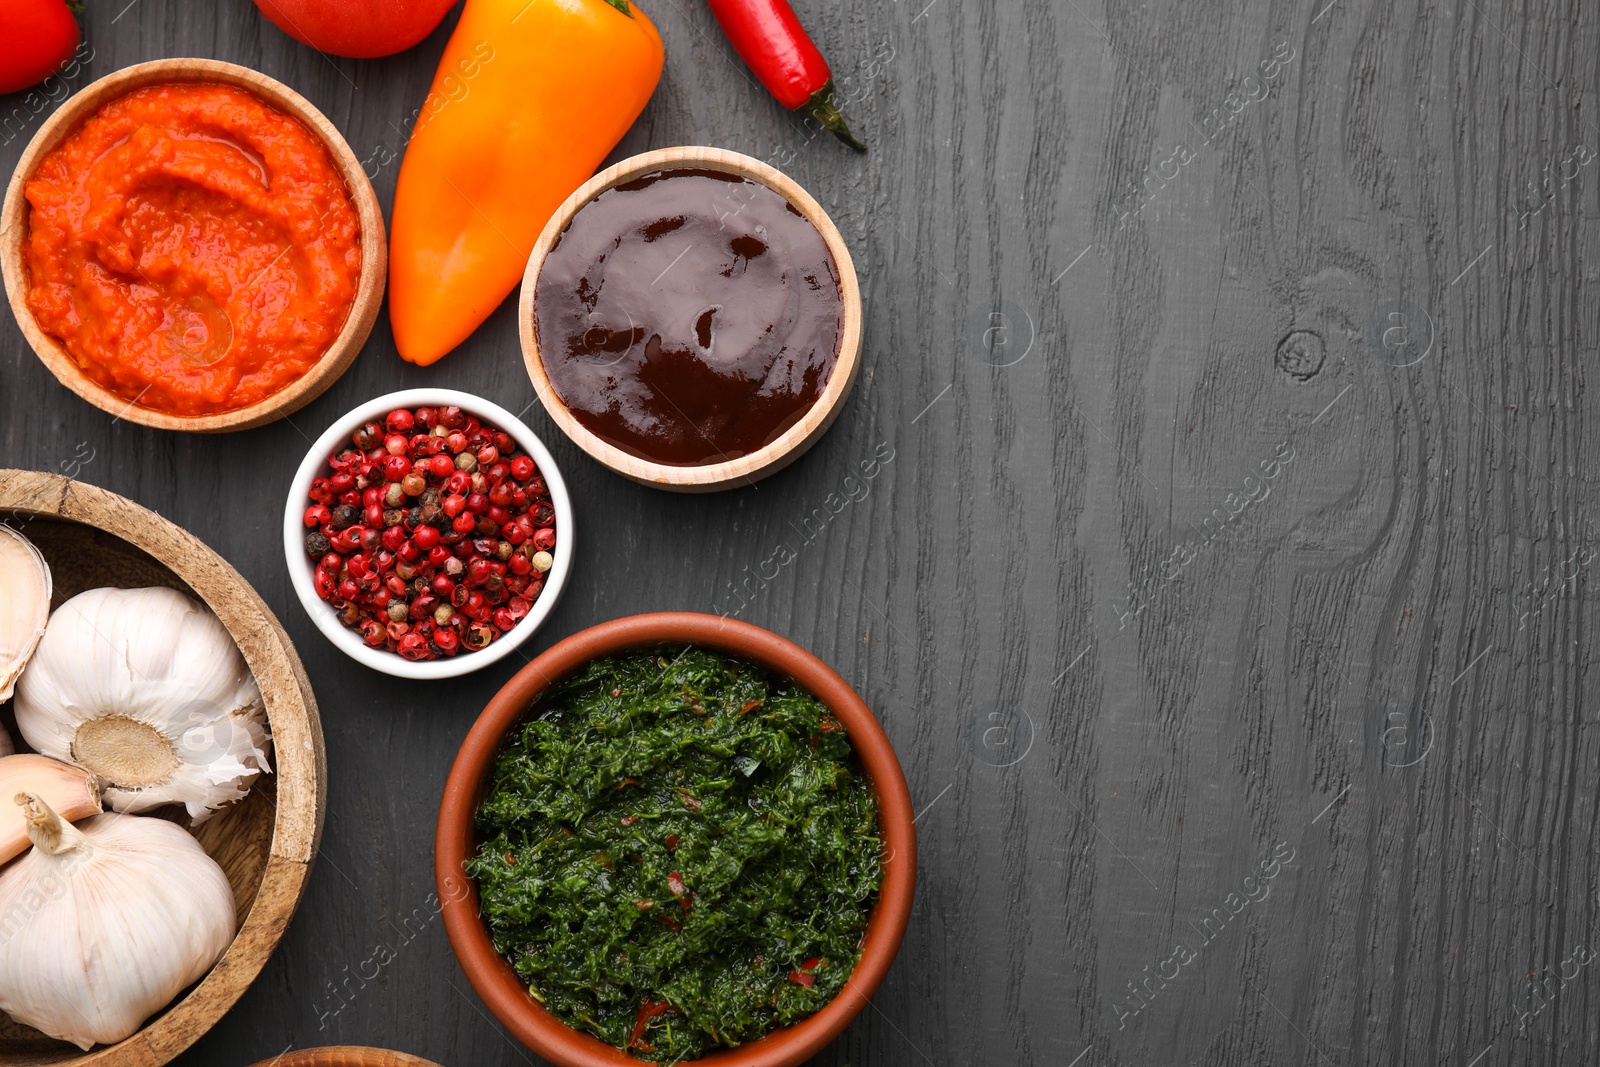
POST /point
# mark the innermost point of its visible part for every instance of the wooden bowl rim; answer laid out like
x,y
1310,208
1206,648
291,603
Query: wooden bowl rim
x,y
299,757
794,441
506,995
374,245
345,1056
302,568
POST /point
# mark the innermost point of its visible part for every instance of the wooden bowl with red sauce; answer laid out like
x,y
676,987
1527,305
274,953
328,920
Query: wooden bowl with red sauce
x,y
725,466
69,119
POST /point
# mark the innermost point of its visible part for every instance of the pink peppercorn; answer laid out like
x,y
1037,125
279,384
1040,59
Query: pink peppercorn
x,y
422,555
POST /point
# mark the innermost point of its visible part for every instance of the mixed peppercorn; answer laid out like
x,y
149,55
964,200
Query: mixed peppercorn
x,y
432,535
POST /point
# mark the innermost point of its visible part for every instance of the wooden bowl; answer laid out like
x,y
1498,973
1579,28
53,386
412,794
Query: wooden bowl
x,y
374,248
764,461
456,841
265,842
345,1056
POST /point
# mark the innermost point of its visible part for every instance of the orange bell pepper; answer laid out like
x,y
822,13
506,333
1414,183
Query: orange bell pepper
x,y
530,97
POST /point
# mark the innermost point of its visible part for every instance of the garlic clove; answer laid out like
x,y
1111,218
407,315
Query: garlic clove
x,y
70,791
25,588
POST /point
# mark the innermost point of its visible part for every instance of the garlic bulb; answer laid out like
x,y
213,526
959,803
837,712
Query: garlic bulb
x,y
102,924
24,604
145,688
69,790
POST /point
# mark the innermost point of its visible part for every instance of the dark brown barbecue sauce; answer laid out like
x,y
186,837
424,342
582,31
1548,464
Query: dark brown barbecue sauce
x,y
689,316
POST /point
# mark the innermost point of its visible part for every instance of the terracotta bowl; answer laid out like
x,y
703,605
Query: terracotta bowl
x,y
374,248
265,842
491,975
345,1056
302,568
799,437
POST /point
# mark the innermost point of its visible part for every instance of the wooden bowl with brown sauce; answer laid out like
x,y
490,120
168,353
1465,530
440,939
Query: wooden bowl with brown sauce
x,y
691,318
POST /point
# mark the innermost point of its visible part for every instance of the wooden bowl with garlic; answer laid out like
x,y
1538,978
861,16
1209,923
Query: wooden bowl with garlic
x,y
159,817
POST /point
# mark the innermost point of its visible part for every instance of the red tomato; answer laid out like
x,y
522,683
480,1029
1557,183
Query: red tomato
x,y
37,37
360,29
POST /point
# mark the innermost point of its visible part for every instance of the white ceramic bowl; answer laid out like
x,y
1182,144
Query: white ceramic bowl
x,y
302,566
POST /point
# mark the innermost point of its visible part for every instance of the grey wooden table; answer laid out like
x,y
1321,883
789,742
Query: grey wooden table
x,y
1226,594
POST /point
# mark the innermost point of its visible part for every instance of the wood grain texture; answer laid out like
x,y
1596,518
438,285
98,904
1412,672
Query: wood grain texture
x,y
1112,704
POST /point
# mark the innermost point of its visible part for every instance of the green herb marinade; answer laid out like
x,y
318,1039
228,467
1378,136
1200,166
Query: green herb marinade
x,y
680,853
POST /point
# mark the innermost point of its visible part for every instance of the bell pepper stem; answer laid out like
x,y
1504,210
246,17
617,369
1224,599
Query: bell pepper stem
x,y
822,108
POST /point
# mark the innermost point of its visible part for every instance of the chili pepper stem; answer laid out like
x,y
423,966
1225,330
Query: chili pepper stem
x,y
822,108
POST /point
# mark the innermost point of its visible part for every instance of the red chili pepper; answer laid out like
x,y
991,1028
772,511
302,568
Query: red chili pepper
x,y
647,1011
769,37
801,978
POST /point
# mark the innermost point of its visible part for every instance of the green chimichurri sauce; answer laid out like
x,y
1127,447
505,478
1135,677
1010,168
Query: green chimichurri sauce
x,y
680,853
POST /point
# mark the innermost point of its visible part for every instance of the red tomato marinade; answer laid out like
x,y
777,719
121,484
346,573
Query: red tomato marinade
x,y
193,248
